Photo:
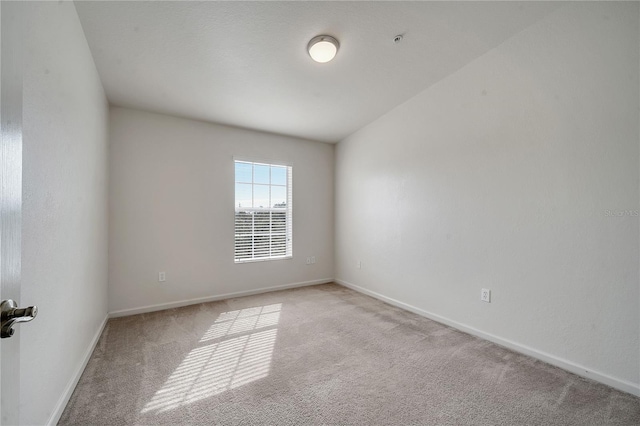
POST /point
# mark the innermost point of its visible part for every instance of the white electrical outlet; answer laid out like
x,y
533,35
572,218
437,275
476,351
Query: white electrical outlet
x,y
485,295
162,277
359,264
308,261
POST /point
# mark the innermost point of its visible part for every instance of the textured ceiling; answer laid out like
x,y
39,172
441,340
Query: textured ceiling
x,y
245,63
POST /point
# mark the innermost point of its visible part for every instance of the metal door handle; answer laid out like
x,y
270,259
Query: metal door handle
x,y
10,314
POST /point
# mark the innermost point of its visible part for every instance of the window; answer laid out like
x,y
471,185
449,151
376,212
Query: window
x,y
263,220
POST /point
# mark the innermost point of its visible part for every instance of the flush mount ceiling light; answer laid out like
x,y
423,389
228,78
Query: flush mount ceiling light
x,y
323,48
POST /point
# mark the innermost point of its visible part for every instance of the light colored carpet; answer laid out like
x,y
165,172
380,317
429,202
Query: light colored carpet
x,y
323,355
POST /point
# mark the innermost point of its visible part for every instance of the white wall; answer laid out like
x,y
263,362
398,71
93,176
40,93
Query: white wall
x,y
172,210
64,235
501,176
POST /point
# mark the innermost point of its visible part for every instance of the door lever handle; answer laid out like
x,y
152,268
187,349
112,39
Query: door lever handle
x,y
10,315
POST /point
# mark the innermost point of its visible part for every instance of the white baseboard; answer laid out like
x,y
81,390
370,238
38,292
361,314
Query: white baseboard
x,y
68,391
180,303
570,366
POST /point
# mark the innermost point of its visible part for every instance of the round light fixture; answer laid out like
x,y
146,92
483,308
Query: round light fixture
x,y
323,48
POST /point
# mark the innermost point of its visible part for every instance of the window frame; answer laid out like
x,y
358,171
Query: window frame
x,y
288,210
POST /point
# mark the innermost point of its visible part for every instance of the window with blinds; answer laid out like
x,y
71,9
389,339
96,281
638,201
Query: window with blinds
x,y
263,220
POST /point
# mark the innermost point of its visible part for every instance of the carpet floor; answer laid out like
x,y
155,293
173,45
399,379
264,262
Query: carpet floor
x,y
323,355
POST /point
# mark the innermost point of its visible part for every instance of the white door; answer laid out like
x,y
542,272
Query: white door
x,y
11,38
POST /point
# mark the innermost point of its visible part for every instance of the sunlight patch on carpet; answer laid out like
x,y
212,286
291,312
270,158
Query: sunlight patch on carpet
x,y
237,350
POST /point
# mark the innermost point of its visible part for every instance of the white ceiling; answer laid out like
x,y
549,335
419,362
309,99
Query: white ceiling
x,y
245,63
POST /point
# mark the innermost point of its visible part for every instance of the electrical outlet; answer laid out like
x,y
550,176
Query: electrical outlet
x,y
313,259
162,277
359,265
308,261
485,295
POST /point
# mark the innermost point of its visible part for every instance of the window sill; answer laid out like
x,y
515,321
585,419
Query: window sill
x,y
269,259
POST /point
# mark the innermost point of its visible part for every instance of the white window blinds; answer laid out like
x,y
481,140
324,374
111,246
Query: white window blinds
x,y
264,210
